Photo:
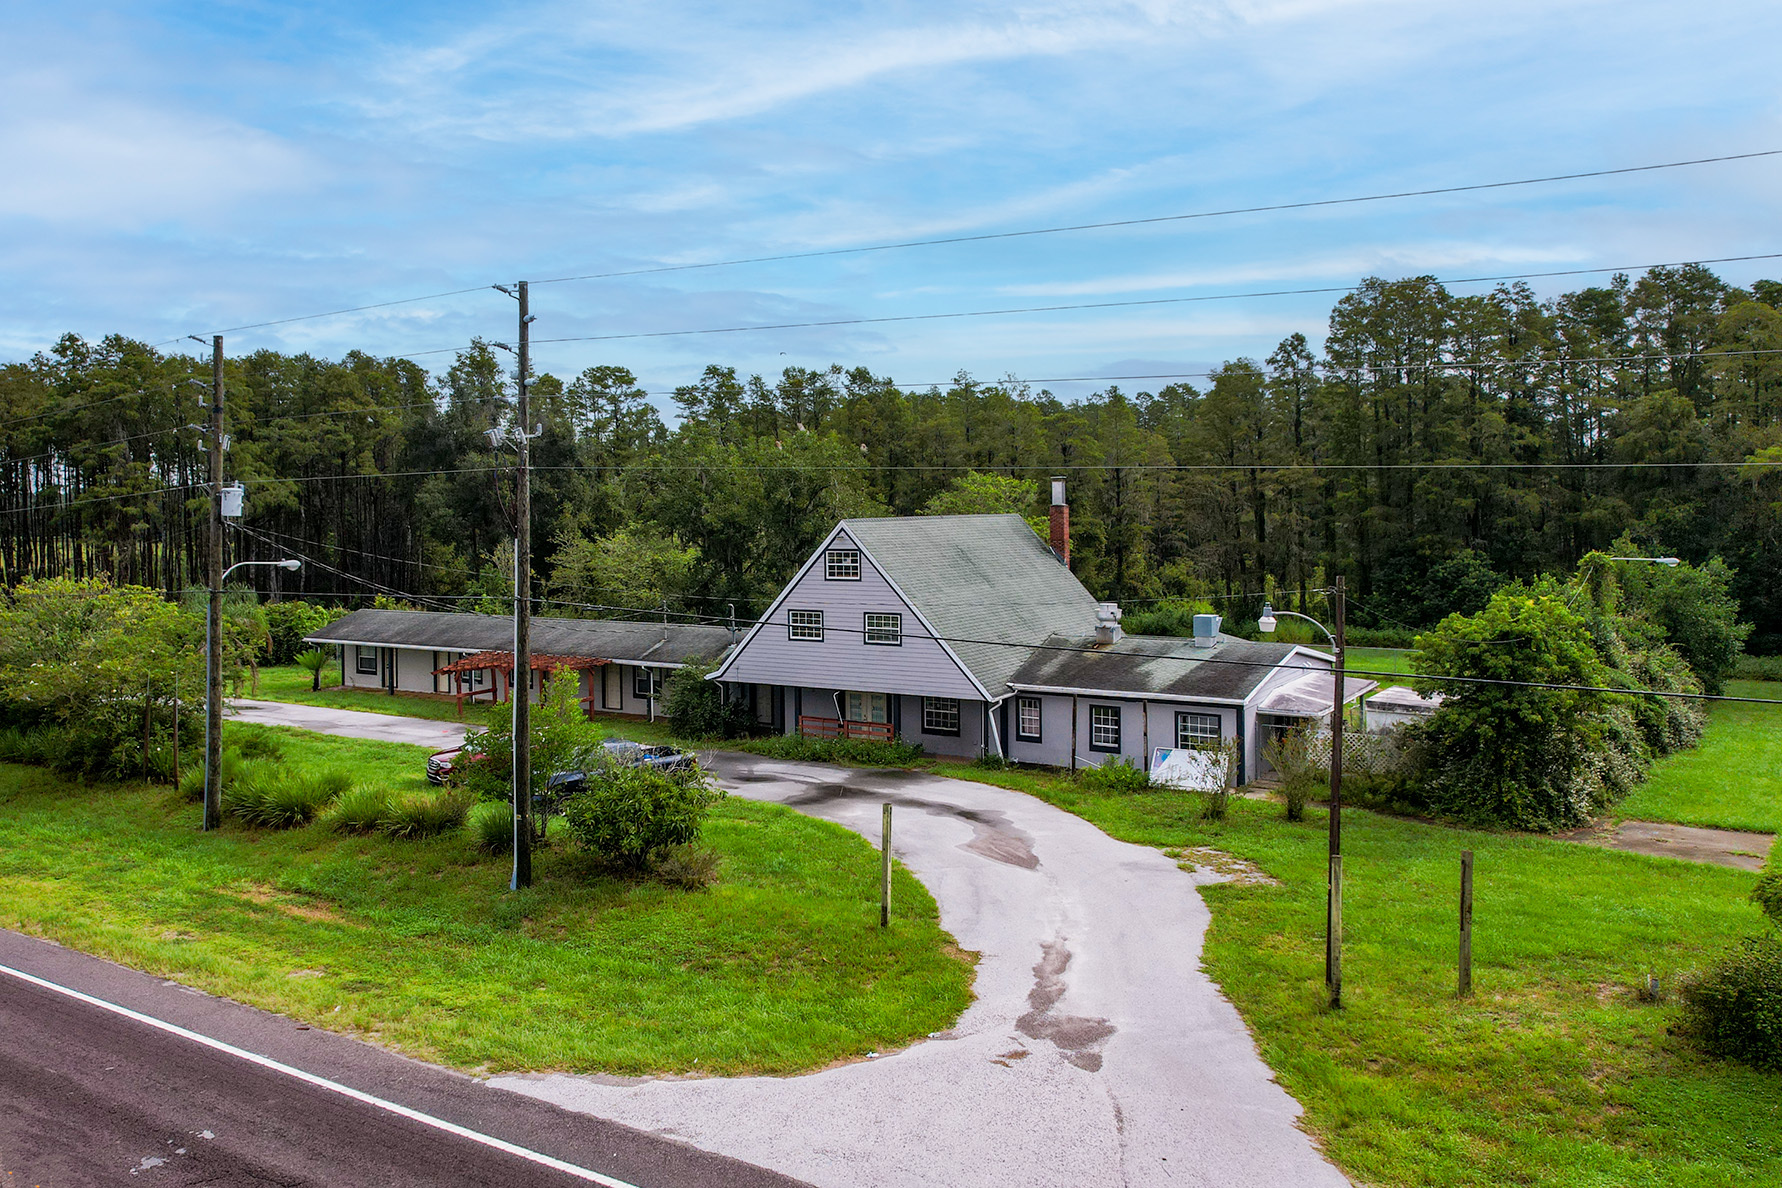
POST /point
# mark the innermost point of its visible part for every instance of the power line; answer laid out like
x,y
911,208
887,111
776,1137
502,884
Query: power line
x,y
1139,222
1026,233
1128,304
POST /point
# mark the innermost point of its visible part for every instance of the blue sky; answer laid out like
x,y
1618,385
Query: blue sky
x,y
182,168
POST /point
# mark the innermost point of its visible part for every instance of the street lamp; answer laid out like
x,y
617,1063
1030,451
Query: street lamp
x,y
213,696
1333,903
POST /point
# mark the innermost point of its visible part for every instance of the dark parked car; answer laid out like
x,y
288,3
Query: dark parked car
x,y
615,752
618,752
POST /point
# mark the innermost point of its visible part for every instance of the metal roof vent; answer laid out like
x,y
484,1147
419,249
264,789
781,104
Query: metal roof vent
x,y
1206,631
1107,624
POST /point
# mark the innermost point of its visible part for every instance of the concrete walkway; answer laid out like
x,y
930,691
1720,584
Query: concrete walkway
x,y
347,723
1097,1052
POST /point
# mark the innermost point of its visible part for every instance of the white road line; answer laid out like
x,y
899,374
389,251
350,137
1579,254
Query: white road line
x,y
403,1111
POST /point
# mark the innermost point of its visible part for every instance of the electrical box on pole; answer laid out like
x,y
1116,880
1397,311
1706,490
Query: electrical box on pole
x,y
233,494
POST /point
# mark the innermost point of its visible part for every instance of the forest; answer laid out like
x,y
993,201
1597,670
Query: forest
x,y
1438,446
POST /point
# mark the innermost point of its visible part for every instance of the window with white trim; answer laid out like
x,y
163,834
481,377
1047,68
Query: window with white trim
x,y
643,683
1198,730
841,565
804,624
1104,728
364,660
884,628
1027,719
940,715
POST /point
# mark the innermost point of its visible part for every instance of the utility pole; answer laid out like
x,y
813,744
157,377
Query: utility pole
x,y
213,623
522,775
1333,934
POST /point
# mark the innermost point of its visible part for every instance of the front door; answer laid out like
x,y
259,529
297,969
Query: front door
x,y
869,707
611,687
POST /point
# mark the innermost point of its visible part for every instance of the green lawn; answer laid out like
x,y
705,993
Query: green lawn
x,y
1393,660
1554,1073
777,968
1732,780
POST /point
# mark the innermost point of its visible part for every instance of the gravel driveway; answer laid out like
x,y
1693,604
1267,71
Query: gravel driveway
x,y
1096,1052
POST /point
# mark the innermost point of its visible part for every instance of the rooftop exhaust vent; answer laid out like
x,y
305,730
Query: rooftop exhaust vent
x,y
1206,631
1107,624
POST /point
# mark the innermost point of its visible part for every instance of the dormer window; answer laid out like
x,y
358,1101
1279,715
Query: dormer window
x,y
842,565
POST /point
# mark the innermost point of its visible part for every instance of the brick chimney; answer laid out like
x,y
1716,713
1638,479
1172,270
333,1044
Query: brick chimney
x,y
1060,538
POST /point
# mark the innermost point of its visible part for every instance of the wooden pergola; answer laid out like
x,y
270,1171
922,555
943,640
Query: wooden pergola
x,y
500,664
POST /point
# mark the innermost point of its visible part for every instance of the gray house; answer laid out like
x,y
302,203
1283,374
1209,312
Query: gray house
x,y
620,664
970,635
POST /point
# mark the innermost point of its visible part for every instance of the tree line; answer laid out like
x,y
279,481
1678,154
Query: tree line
x,y
1437,447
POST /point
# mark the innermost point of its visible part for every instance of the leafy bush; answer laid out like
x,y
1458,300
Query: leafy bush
x,y
288,622
991,762
1734,1008
1768,892
422,815
1172,617
631,815
1114,776
1290,756
358,810
697,707
491,826
1757,668
1217,805
862,752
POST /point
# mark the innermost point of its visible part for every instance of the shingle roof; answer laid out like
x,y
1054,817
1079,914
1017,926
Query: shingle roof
x,y
1228,671
608,639
980,578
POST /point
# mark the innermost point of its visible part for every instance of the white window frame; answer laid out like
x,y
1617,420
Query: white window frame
x,y
837,566
1022,706
936,711
644,685
886,632
808,629
1191,729
1103,737
360,654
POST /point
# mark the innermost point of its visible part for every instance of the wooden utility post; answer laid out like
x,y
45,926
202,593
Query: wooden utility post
x,y
1333,935
213,623
1466,923
522,876
885,871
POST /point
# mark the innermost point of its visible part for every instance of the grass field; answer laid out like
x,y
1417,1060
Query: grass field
x,y
777,968
1391,660
1554,1073
1732,780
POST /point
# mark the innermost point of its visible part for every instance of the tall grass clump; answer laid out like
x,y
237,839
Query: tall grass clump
x,y
357,810
491,826
421,815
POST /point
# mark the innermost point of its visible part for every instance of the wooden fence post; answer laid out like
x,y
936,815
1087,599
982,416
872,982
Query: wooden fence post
x,y
1466,923
885,880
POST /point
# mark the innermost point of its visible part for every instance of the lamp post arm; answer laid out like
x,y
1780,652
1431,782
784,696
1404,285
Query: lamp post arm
x,y
1296,615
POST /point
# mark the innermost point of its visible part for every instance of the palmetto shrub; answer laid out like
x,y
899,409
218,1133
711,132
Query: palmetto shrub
x,y
357,810
491,826
420,815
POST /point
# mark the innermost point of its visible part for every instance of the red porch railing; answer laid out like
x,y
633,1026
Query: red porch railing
x,y
812,727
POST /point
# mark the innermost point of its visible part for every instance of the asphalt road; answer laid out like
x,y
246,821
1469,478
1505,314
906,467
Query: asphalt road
x,y
89,1096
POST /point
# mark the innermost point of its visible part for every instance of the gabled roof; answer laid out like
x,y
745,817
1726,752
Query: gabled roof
x,y
982,582
1141,665
604,639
